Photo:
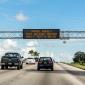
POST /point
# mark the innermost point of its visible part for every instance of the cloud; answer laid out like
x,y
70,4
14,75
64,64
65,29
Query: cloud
x,y
47,54
32,43
8,45
12,46
30,46
25,51
65,57
74,41
21,17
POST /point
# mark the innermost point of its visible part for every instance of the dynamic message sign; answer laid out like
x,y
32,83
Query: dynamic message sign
x,y
41,33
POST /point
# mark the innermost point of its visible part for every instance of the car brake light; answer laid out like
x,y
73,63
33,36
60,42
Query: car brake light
x,y
50,62
40,62
18,60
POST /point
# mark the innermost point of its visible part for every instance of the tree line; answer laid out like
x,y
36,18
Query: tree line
x,y
79,57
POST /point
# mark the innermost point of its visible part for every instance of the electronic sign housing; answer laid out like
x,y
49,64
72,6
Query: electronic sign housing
x,y
41,33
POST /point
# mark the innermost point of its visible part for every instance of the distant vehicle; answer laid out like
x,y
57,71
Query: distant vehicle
x,y
45,62
36,59
30,61
11,59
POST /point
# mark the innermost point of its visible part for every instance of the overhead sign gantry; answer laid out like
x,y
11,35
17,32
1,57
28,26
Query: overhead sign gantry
x,y
42,34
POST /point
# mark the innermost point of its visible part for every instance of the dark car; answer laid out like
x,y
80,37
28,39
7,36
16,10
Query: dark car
x,y
45,62
11,60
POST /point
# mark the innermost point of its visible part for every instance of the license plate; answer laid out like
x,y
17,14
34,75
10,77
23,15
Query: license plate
x,y
9,63
16,63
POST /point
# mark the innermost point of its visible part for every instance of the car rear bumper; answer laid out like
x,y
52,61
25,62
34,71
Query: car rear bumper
x,y
45,66
10,64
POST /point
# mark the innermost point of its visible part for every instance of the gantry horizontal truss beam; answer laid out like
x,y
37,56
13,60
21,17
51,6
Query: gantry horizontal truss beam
x,y
11,35
72,34
63,34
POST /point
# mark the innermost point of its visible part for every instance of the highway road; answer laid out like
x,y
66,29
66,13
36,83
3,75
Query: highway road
x,y
62,75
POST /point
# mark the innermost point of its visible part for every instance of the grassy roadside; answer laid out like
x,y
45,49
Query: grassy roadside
x,y
77,65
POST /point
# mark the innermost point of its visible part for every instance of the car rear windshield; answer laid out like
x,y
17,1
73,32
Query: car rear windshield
x,y
11,55
30,58
45,59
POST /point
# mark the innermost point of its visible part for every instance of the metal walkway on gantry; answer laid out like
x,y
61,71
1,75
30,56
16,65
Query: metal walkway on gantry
x,y
63,34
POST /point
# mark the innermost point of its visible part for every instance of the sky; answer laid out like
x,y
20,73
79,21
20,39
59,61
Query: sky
x,y
17,15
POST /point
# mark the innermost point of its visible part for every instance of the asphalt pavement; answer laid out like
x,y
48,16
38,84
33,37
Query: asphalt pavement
x,y
62,75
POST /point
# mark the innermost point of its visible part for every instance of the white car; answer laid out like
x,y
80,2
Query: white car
x,y
30,61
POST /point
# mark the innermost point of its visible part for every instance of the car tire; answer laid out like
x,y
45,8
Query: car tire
x,y
51,69
6,67
18,67
38,69
21,67
2,66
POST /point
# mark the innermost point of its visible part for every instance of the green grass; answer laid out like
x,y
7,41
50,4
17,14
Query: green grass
x,y
78,65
